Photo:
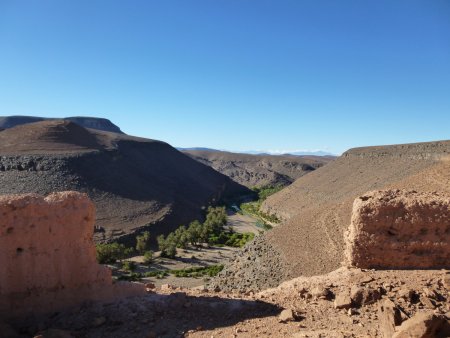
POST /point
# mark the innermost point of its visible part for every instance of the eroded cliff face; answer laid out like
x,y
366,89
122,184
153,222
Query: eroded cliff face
x,y
47,255
395,229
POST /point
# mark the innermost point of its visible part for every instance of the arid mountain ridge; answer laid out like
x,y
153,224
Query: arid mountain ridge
x,y
259,170
316,210
134,182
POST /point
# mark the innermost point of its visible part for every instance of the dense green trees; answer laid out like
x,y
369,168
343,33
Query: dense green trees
x,y
212,231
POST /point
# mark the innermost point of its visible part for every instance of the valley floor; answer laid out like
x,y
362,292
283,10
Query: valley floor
x,y
192,257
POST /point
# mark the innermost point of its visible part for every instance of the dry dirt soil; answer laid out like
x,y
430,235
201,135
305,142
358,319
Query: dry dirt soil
x,y
344,303
186,258
259,170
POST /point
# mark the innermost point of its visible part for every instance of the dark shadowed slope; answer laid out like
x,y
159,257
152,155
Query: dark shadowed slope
x,y
316,209
259,170
133,181
87,122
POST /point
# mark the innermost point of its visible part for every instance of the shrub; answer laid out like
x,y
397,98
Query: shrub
x,y
266,191
148,257
143,242
233,239
129,265
133,277
157,273
110,253
197,272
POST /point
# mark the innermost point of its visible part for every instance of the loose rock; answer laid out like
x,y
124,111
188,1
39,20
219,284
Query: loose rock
x,y
422,325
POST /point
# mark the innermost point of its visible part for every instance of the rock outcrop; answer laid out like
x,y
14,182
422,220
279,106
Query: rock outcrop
x,y
47,255
395,229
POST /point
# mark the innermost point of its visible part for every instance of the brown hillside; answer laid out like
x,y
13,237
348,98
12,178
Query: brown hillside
x,y
259,170
316,209
133,181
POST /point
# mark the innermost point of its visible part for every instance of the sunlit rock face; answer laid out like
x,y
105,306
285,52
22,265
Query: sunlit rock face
x,y
47,255
399,229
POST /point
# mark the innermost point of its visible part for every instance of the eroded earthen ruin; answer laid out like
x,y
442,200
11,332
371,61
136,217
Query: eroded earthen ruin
x,y
395,229
47,255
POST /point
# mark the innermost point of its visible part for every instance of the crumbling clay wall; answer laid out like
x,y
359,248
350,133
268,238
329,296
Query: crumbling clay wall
x,y
47,255
399,229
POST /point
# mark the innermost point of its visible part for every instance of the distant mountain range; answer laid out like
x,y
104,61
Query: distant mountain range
x,y
262,152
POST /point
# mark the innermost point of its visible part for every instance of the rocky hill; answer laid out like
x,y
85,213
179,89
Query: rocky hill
x,y
316,210
87,122
259,170
133,181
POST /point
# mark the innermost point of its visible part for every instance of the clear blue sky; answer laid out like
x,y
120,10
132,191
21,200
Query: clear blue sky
x,y
234,74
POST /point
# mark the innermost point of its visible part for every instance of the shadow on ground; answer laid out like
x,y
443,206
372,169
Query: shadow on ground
x,y
154,315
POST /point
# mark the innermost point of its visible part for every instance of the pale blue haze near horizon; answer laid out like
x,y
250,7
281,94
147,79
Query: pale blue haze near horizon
x,y
236,74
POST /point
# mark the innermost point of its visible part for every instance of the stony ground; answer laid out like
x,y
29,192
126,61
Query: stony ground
x,y
344,303
257,258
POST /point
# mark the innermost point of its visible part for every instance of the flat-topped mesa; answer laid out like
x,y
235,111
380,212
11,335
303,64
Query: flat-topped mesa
x,y
396,229
84,121
47,255
423,150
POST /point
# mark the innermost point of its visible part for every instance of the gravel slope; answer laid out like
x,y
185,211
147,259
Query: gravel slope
x,y
316,209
